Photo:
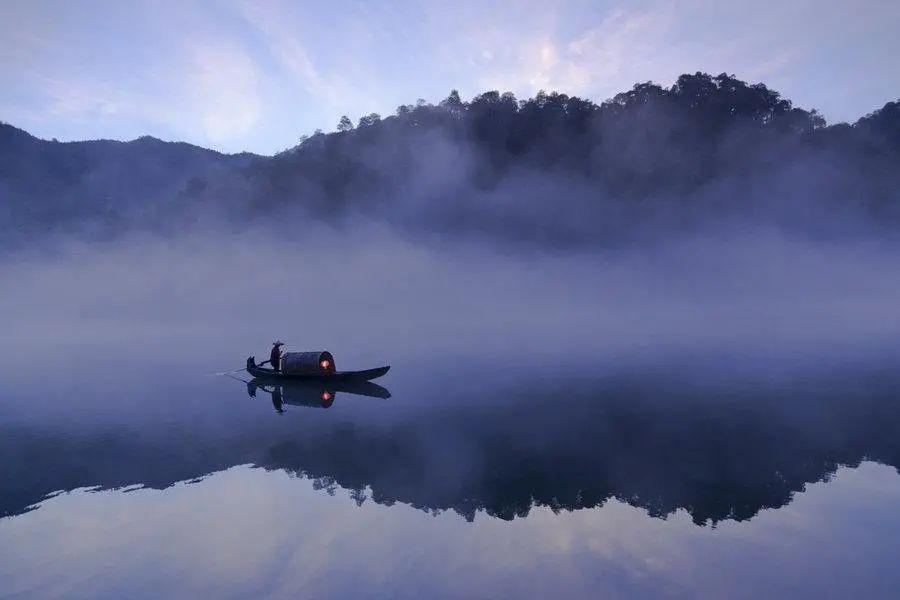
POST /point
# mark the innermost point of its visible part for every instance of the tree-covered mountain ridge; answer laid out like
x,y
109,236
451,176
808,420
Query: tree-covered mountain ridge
x,y
553,169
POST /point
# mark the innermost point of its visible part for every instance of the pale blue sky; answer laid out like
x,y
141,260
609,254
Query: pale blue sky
x,y
256,75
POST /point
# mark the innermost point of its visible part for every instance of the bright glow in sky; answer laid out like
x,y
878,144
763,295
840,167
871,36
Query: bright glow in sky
x,y
242,75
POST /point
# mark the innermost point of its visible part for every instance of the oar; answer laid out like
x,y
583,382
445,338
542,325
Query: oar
x,y
235,378
227,372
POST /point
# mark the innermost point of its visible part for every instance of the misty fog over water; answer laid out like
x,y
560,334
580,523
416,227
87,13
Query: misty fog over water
x,y
213,297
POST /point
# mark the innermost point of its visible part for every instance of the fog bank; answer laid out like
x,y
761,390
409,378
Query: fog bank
x,y
376,297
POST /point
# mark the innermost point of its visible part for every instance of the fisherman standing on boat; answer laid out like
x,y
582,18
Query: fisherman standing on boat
x,y
275,357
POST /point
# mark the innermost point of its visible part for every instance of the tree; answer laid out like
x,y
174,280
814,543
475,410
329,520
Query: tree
x,y
368,120
452,101
883,124
453,104
345,124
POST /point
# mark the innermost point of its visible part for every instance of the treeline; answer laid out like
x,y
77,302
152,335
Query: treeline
x,y
566,169
552,169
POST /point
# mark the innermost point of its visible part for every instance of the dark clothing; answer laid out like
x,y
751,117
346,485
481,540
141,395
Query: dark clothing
x,y
275,358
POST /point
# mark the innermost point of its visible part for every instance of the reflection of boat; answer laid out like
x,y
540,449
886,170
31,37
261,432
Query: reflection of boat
x,y
318,394
315,390
312,366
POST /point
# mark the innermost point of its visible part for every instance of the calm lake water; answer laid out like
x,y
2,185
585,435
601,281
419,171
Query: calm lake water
x,y
496,468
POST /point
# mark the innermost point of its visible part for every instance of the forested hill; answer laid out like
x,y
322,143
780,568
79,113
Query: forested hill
x,y
102,186
554,169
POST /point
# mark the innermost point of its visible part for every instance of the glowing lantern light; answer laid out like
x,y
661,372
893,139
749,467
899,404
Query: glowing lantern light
x,y
324,364
326,396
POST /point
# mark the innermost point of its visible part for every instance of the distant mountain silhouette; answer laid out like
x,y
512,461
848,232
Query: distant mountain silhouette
x,y
553,169
104,186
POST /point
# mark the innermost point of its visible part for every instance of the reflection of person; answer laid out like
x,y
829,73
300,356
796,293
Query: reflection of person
x,y
274,357
277,400
276,393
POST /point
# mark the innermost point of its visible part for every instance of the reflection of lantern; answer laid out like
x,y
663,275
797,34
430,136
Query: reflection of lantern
x,y
298,393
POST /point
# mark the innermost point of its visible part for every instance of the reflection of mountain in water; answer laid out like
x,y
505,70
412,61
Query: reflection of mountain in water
x,y
657,443
661,448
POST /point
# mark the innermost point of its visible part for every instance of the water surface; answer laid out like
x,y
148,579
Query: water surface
x,y
542,435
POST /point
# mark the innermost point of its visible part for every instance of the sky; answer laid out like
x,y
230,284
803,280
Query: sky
x,y
239,75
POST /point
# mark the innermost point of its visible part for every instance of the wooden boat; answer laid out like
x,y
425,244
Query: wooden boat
x,y
306,369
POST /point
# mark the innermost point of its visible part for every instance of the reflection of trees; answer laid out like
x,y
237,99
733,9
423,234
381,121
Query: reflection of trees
x,y
717,461
659,445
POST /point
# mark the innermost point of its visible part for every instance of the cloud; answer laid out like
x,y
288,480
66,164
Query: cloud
x,y
655,41
609,55
285,45
535,52
263,533
224,88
